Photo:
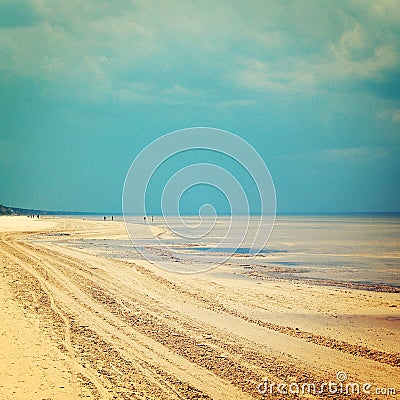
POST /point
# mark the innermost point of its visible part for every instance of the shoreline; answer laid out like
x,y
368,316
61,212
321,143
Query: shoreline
x,y
373,287
284,258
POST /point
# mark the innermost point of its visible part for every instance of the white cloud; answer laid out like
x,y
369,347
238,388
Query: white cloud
x,y
392,114
80,49
133,91
99,47
179,91
342,44
237,103
265,77
355,56
358,154
348,63
353,39
354,153
179,94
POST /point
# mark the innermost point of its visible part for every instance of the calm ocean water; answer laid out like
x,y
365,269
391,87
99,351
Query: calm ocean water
x,y
360,249
363,249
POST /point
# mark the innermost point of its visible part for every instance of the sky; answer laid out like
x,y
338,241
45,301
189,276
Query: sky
x,y
313,86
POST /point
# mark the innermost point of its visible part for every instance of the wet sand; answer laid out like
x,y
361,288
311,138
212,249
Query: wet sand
x,y
76,324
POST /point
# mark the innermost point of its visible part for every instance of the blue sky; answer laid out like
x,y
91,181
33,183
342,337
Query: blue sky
x,y
314,86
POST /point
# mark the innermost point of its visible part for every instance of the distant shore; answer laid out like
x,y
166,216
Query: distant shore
x,y
10,210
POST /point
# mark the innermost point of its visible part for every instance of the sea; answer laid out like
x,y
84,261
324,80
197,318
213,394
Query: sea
x,y
362,249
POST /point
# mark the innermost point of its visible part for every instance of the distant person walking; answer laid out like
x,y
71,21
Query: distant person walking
x,y
112,217
104,218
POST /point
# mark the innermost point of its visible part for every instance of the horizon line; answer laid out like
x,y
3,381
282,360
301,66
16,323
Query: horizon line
x,y
27,211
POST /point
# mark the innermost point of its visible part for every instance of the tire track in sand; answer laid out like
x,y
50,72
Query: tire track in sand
x,y
190,391
76,367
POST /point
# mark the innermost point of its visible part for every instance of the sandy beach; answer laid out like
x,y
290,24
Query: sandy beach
x,y
76,324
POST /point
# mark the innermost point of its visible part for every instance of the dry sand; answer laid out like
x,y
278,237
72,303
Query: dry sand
x,y
78,325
